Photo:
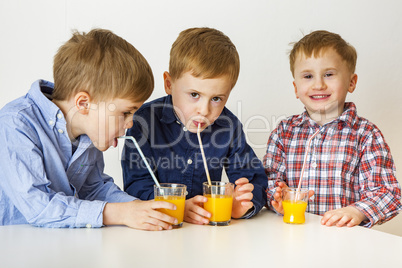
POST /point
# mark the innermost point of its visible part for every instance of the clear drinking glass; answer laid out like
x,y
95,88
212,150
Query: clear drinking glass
x,y
220,200
173,193
294,204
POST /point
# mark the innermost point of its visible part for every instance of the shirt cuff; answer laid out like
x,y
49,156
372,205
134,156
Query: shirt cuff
x,y
249,213
90,214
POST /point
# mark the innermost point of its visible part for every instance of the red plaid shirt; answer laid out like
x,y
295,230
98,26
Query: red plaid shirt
x,y
349,164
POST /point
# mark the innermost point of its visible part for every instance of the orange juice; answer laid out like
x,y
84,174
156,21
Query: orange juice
x,y
179,201
294,211
220,207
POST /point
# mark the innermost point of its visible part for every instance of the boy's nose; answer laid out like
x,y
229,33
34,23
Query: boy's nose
x,y
128,123
319,84
203,108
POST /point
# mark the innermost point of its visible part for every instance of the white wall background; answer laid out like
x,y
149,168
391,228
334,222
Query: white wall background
x,y
32,31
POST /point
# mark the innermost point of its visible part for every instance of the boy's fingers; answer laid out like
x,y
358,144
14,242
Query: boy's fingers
x,y
278,197
196,218
310,193
245,196
281,184
159,224
277,206
201,211
353,222
247,205
162,204
245,188
241,181
150,227
332,220
343,221
159,216
199,199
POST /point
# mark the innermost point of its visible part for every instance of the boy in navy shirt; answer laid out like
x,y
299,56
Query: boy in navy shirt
x,y
203,69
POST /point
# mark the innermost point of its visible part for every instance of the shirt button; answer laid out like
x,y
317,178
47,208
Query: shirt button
x,y
51,122
314,165
88,225
189,161
59,116
178,122
60,131
184,128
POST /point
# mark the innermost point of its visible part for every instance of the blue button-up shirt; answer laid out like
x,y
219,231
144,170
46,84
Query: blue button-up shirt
x,y
174,153
41,181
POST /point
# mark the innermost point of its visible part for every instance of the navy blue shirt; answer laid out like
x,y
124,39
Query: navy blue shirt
x,y
174,154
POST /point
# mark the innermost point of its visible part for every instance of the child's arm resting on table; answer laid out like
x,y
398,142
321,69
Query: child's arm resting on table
x,y
139,215
347,216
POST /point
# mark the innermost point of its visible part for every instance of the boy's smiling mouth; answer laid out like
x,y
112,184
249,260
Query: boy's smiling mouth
x,y
320,97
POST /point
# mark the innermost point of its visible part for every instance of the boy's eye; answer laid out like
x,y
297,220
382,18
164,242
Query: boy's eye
x,y
216,99
307,76
194,95
328,74
128,114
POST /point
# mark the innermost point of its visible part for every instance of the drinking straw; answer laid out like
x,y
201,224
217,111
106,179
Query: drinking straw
x,y
143,157
304,163
203,154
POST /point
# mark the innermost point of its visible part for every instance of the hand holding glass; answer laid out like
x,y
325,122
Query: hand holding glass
x,y
220,200
294,204
173,193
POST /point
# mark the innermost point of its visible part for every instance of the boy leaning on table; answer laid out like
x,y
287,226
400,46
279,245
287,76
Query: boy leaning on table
x,y
349,168
51,140
204,67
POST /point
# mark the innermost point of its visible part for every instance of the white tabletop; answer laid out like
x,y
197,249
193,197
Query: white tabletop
x,y
263,241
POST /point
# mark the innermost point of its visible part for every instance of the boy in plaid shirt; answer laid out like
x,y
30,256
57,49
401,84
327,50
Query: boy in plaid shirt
x,y
349,169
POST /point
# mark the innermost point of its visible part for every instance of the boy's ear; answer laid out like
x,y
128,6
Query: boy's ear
x,y
82,102
167,81
294,85
353,82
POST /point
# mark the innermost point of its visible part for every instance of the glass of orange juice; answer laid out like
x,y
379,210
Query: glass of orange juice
x,y
220,200
174,193
294,204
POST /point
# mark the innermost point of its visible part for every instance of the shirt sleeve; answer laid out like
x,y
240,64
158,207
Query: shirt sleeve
x,y
379,190
137,180
100,186
274,163
242,162
26,184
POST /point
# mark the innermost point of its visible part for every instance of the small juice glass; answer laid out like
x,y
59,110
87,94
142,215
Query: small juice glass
x,y
173,193
294,204
220,200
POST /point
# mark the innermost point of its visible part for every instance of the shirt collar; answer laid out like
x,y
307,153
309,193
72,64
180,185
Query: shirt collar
x,y
41,92
348,117
169,116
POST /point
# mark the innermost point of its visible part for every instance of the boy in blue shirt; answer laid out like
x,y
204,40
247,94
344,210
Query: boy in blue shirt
x,y
203,69
51,140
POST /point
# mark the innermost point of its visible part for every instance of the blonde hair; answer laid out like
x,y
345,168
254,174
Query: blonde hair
x,y
102,64
317,42
206,52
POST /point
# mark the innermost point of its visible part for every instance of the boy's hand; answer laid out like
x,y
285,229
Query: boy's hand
x,y
347,216
277,202
194,211
139,215
242,198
